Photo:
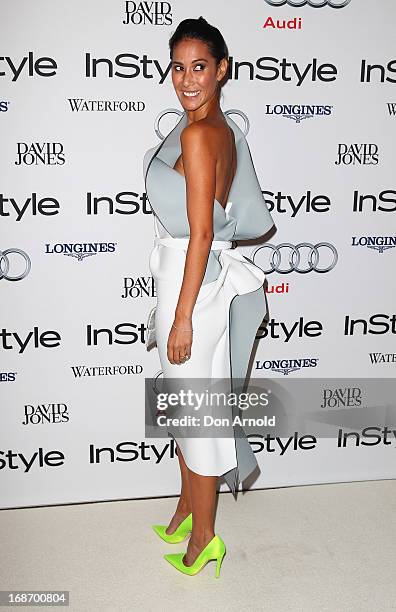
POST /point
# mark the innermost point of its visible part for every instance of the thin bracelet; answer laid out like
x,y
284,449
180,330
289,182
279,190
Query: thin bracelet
x,y
190,330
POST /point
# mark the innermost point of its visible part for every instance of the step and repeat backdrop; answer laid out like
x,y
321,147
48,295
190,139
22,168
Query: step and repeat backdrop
x,y
85,90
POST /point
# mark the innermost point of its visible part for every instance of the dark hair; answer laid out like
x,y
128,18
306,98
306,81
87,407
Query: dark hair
x,y
201,29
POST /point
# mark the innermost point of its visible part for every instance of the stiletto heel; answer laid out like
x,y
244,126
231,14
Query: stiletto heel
x,y
214,550
180,534
218,564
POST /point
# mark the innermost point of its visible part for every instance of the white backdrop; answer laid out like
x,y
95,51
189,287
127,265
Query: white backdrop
x,y
74,131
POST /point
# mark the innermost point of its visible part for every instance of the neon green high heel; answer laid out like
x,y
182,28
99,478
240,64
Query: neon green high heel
x,y
180,534
214,550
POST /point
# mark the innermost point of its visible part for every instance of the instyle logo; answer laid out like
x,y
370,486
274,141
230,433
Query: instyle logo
x,y
312,3
377,243
129,203
32,206
80,250
361,154
286,366
279,330
35,339
385,201
298,112
132,451
79,105
303,257
265,68
152,13
376,324
377,73
40,153
28,66
129,333
15,264
40,459
141,286
45,413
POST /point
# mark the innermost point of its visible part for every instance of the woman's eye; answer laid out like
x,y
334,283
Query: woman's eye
x,y
177,68
202,65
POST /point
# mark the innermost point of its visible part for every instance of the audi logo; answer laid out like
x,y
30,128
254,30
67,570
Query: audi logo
x,y
313,3
176,111
5,264
321,257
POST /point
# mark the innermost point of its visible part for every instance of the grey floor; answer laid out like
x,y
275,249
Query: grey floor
x,y
329,547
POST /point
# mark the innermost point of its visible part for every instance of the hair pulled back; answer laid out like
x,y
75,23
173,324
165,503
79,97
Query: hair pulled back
x,y
202,30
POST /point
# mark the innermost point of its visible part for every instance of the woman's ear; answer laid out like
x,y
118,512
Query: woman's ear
x,y
222,69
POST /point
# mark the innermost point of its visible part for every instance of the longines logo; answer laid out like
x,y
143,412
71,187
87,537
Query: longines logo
x,y
84,371
45,413
8,376
141,286
377,324
4,106
362,154
80,250
143,13
303,257
312,3
285,366
15,264
40,153
342,397
377,243
298,112
79,105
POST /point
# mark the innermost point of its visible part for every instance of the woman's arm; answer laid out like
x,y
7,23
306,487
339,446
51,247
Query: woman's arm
x,y
199,163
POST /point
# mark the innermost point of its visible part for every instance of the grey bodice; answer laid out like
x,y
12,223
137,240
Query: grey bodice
x,y
246,215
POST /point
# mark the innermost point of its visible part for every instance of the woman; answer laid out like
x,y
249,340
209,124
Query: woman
x,y
204,193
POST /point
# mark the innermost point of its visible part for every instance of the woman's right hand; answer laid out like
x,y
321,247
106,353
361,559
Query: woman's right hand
x,y
180,342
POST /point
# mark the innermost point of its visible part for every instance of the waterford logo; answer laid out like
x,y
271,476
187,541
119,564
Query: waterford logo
x,y
80,104
80,250
392,108
298,112
377,243
285,366
313,3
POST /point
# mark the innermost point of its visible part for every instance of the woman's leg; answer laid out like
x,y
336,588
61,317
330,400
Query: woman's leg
x,y
184,506
203,497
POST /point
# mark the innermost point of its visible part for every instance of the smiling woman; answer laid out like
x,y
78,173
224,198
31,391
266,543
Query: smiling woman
x,y
204,193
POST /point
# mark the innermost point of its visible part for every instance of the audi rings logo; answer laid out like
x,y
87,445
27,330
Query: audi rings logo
x,y
303,257
313,3
176,111
7,263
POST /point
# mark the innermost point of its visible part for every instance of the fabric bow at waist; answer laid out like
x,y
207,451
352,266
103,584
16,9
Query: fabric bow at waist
x,y
238,274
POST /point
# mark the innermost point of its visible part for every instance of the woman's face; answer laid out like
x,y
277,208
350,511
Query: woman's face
x,y
195,74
